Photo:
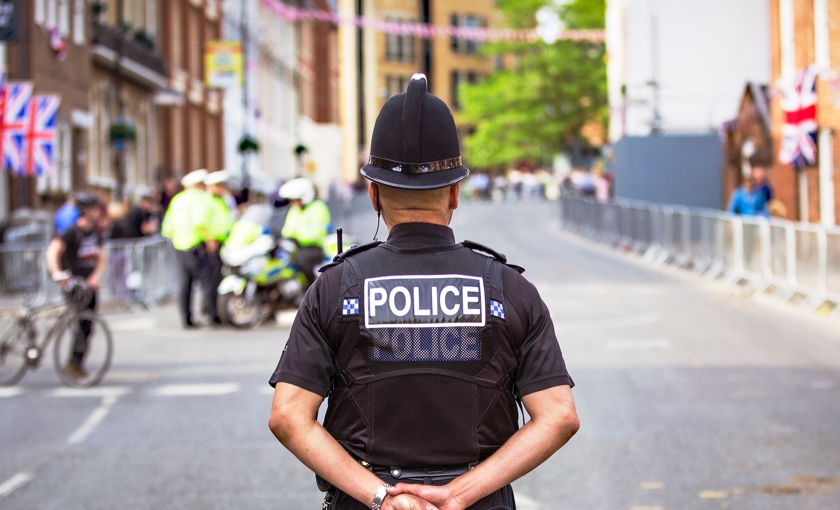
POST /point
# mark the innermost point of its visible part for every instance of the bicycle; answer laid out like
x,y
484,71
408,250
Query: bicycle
x,y
20,349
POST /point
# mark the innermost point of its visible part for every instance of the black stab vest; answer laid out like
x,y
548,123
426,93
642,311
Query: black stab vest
x,y
424,368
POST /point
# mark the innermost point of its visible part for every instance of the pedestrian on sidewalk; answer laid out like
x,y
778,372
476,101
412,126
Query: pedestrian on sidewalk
x,y
748,200
425,346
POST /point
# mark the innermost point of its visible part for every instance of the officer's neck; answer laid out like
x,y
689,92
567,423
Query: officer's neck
x,y
417,216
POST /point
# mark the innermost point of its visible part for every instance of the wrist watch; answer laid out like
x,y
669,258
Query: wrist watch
x,y
379,497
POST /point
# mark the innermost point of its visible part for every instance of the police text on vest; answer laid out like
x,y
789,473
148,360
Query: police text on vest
x,y
436,301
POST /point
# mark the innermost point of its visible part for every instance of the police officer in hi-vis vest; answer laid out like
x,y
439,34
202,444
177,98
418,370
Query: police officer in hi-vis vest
x,y
424,346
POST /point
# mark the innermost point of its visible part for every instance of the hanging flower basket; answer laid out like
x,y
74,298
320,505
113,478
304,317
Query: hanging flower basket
x,y
301,149
120,133
145,38
247,145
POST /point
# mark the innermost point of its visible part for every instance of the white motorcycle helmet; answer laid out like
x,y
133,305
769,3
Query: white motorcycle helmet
x,y
298,189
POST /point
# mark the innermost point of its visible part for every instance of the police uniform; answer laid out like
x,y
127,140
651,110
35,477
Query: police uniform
x,y
222,216
423,345
188,224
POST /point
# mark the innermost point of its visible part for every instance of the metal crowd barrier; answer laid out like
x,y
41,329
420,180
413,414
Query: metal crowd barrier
x,y
790,260
139,272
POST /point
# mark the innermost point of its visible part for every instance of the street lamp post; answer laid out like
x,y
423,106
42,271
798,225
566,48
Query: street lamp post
x,y
243,31
119,148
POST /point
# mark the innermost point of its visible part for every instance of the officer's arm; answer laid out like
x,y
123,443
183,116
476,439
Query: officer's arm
x,y
553,422
294,422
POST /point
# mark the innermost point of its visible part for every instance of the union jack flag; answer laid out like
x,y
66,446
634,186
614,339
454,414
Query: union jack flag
x,y
40,135
799,131
14,111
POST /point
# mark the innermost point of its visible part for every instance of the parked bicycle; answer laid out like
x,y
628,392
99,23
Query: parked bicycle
x,y
75,331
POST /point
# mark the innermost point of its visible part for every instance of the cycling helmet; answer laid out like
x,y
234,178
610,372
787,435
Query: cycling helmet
x,y
86,200
298,189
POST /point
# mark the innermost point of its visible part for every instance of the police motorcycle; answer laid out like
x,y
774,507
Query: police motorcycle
x,y
260,276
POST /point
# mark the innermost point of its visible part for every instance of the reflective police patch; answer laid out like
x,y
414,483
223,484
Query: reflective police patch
x,y
350,307
497,309
426,344
421,301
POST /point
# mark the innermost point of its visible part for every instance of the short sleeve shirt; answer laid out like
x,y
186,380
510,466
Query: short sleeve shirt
x,y
82,250
307,360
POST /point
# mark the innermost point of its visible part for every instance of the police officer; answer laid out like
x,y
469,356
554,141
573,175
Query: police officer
x,y
424,346
188,223
223,214
307,223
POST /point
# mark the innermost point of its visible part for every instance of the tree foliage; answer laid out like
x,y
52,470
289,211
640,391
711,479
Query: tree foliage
x,y
536,106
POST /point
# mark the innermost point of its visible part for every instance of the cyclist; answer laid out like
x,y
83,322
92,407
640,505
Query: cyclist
x,y
78,253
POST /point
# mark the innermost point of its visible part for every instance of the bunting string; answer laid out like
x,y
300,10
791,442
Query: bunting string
x,y
423,30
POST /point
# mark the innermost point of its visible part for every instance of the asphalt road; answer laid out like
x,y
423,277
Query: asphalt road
x,y
691,396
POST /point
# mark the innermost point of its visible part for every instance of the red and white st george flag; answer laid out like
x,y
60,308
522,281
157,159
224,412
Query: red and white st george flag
x,y
799,130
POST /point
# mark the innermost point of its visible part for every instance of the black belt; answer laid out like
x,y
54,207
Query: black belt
x,y
400,473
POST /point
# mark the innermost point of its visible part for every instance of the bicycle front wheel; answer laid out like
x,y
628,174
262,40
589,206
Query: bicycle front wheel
x,y
13,346
83,349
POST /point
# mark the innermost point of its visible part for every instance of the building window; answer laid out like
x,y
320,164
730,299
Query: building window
x,y
64,17
399,48
455,80
79,22
52,13
460,44
40,12
151,18
395,84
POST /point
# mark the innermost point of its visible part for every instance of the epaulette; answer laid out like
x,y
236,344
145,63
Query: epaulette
x,y
338,259
493,253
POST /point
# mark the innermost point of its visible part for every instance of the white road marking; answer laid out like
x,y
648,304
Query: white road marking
x,y
99,391
639,344
10,392
93,420
14,483
186,390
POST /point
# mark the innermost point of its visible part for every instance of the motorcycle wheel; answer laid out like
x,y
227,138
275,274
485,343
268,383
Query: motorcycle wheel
x,y
241,312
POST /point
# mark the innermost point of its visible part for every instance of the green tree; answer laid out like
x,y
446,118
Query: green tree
x,y
537,106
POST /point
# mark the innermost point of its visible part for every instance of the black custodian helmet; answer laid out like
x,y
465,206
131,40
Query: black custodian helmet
x,y
415,142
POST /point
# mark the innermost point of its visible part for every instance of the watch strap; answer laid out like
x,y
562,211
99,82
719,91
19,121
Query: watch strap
x,y
379,497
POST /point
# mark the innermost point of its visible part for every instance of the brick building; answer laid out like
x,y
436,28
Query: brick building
x,y
377,65
43,28
192,126
128,72
807,33
748,139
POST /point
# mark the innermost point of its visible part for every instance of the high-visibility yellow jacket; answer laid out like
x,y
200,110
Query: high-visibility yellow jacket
x,y
188,221
308,225
222,220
